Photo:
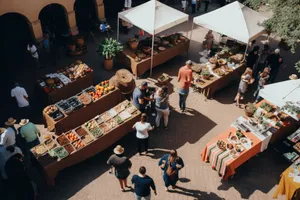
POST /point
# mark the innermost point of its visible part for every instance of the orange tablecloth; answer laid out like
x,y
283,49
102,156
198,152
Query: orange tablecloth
x,y
287,186
242,158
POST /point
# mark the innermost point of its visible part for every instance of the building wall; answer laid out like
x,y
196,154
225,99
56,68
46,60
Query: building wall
x,y
31,10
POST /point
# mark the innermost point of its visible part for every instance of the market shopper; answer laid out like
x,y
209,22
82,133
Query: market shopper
x,y
5,154
246,79
206,2
139,97
252,57
142,127
263,78
142,184
209,40
184,78
274,61
31,48
262,60
122,165
8,137
194,5
171,164
22,99
184,5
162,106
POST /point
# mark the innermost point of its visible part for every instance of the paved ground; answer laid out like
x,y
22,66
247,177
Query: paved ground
x,y
187,133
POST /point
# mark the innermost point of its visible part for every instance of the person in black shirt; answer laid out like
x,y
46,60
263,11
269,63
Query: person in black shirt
x,y
274,61
142,184
252,57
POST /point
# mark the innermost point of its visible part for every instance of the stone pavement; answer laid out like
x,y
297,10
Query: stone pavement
x,y
188,133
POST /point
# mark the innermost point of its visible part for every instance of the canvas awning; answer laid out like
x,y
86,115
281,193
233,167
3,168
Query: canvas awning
x,y
234,20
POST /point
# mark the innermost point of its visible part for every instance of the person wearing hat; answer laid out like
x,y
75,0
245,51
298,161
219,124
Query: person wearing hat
x,y
30,133
185,78
293,77
139,96
274,61
8,137
122,165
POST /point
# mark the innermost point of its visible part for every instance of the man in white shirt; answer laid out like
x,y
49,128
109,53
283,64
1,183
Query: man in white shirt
x,y
8,137
31,48
127,4
21,96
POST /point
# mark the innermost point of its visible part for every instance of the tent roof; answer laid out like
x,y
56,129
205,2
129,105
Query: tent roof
x,y
234,20
153,16
282,92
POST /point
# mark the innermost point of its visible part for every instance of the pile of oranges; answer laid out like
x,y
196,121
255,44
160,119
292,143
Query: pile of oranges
x,y
101,89
72,137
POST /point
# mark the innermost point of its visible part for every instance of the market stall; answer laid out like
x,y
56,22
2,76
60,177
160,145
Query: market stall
x,y
84,141
289,182
156,17
65,82
211,77
69,113
248,135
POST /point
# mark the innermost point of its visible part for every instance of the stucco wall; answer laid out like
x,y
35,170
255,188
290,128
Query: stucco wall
x,y
31,10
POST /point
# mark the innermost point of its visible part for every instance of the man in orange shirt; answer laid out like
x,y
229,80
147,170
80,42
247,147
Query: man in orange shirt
x,y
185,78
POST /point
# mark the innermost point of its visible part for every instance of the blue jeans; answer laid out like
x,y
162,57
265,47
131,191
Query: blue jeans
x,y
257,92
137,197
183,94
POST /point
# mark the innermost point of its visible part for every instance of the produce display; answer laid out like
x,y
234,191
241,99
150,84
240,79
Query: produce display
x,y
72,136
120,107
221,144
69,148
62,140
101,89
85,98
111,123
50,144
39,150
105,117
118,119
64,106
78,144
93,128
105,127
87,139
124,115
74,102
81,132
60,152
112,112
53,112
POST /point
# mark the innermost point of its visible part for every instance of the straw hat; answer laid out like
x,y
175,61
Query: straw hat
x,y
11,121
293,77
118,150
2,130
23,122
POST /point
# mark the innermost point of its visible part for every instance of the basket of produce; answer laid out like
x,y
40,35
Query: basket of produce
x,y
213,60
78,144
219,72
85,98
118,119
221,62
39,150
72,136
105,116
112,112
63,140
60,152
124,115
50,144
93,128
221,144
131,108
70,149
205,74
105,127
226,68
50,109
53,112
163,79
237,58
74,102
87,139
81,132
119,108
111,123
250,109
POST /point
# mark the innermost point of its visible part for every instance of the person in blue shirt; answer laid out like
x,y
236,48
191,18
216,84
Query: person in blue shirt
x,y
142,184
171,164
139,96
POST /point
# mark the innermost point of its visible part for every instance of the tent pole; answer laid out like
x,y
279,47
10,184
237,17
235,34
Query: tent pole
x,y
246,51
118,28
190,39
152,50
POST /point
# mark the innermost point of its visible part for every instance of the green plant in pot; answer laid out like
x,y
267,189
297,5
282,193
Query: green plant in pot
x,y
250,109
109,48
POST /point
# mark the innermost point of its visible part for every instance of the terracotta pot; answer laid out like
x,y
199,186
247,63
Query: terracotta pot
x,y
108,64
72,47
248,113
133,45
80,41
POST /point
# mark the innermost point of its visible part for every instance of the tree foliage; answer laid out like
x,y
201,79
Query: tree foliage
x,y
285,21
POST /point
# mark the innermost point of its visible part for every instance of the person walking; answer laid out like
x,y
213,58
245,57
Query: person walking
x,y
184,78
206,2
274,61
246,79
171,164
262,60
142,184
122,165
194,5
253,57
198,5
31,48
5,154
263,78
8,136
139,96
142,127
162,106
22,99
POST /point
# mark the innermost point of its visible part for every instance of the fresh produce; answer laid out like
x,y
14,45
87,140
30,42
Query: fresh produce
x,y
81,132
222,61
50,109
39,150
111,123
78,144
131,109
124,115
112,112
60,152
101,89
87,139
65,106
69,148
105,116
74,102
85,98
105,127
93,128
72,136
75,70
63,140
229,146
267,107
213,60
50,144
118,119
119,108
221,144
219,72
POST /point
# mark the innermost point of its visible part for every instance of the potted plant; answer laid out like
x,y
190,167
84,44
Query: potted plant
x,y
134,42
109,48
205,74
250,109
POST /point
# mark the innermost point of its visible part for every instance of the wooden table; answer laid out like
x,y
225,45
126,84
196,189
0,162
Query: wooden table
x,y
139,68
51,170
83,114
214,84
287,186
68,90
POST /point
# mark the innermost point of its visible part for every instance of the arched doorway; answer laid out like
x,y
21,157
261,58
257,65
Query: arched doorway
x,y
86,15
54,20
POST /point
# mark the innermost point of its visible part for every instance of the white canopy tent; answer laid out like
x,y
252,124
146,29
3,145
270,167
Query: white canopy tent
x,y
281,93
152,17
234,20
